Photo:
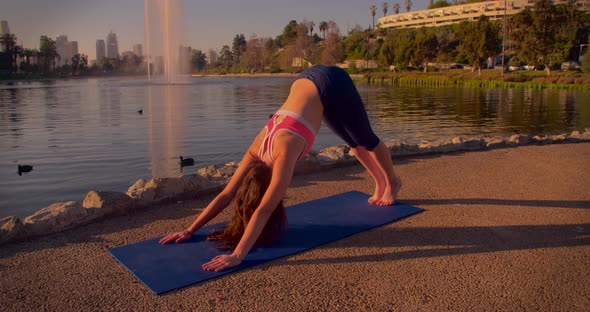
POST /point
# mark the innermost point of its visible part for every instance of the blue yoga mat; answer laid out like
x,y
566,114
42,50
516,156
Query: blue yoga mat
x,y
163,268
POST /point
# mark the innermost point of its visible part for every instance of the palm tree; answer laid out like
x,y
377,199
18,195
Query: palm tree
x,y
408,4
311,24
373,10
384,8
324,28
10,47
396,8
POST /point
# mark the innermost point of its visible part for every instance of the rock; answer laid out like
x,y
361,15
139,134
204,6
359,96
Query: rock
x,y
102,203
494,142
55,218
424,147
219,172
334,156
457,140
409,149
11,228
519,139
560,138
474,143
394,147
156,190
587,130
575,137
541,139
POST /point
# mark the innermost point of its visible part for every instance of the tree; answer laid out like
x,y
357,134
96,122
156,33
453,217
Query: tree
x,y
311,25
238,47
75,63
373,11
438,4
48,53
290,32
12,50
396,7
198,60
323,28
225,57
384,8
333,50
408,4
480,40
425,47
544,35
355,44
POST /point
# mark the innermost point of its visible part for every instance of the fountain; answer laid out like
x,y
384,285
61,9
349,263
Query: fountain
x,y
164,33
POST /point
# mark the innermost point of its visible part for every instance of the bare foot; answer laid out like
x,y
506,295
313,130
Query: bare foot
x,y
376,197
378,194
390,193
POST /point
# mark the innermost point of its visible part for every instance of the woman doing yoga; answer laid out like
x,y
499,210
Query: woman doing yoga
x,y
265,172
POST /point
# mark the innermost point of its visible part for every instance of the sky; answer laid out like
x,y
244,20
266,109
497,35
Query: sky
x,y
208,24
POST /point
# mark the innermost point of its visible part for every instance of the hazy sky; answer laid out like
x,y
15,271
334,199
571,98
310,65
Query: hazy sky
x,y
209,24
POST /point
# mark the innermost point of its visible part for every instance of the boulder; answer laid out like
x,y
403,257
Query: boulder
x,y
494,142
334,156
575,137
538,139
560,138
56,217
457,140
222,172
160,189
587,130
102,203
11,228
519,139
409,149
424,147
474,143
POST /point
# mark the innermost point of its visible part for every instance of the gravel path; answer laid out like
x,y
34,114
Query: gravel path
x,y
506,229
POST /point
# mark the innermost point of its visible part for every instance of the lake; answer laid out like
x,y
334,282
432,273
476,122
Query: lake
x,y
85,134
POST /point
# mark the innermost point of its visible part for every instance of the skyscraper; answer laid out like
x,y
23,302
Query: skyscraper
x,y
73,48
100,51
112,46
137,50
63,49
5,29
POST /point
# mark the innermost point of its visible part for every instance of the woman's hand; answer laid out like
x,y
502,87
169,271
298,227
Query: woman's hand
x,y
177,237
222,262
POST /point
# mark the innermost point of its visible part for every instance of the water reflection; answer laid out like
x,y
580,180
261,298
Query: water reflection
x,y
167,108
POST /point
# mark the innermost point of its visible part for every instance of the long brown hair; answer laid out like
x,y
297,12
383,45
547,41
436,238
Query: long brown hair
x,y
248,198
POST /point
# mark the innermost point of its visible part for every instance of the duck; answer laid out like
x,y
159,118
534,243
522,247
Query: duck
x,y
186,161
24,169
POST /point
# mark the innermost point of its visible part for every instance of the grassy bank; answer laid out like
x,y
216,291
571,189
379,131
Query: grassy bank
x,y
488,79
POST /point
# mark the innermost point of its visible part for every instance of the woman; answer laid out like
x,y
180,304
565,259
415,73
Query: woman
x,y
320,92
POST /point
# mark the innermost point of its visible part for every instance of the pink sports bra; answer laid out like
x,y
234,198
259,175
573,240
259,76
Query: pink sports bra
x,y
293,123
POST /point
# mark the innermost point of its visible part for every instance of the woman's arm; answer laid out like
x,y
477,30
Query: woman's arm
x,y
281,178
217,205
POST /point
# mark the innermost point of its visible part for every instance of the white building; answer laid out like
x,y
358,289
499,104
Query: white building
x,y
112,46
63,50
463,12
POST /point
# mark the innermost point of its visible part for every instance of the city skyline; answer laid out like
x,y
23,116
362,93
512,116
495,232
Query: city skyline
x,y
219,25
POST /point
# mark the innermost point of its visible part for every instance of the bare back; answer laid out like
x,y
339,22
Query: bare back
x,y
303,100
